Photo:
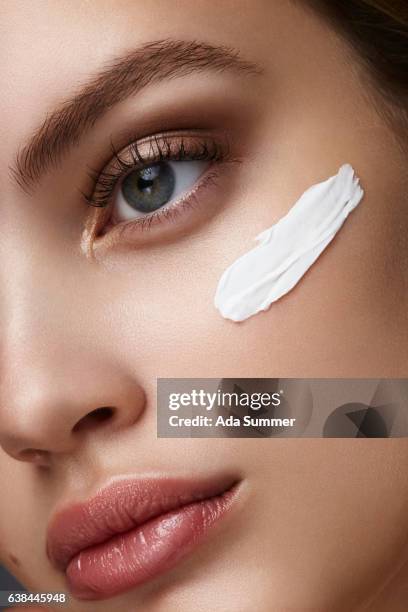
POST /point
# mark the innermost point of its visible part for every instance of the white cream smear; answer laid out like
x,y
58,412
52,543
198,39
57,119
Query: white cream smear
x,y
286,250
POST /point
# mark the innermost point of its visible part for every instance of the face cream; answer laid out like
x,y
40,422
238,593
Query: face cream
x,y
286,250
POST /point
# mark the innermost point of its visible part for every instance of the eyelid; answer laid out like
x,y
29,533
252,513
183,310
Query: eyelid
x,y
175,145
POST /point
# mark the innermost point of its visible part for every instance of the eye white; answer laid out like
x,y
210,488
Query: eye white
x,y
186,174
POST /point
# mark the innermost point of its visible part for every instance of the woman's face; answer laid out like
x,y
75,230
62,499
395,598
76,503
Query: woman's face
x,y
97,303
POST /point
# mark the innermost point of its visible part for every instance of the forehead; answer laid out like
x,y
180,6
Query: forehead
x,y
50,47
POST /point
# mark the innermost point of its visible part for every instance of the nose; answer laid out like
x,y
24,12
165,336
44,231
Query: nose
x,y
63,378
54,414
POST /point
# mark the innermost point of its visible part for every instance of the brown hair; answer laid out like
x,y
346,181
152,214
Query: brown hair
x,y
378,31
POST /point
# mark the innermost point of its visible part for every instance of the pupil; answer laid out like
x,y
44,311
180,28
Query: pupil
x,y
149,188
146,180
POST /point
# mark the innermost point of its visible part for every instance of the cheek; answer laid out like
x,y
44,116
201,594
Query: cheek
x,y
24,512
18,516
339,520
184,335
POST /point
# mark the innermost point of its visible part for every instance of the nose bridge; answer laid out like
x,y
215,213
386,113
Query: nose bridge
x,y
39,288
48,289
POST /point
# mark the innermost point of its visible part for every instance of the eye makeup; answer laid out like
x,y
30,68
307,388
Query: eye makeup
x,y
143,153
286,250
154,182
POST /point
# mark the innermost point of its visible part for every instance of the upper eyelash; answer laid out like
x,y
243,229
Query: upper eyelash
x,y
160,148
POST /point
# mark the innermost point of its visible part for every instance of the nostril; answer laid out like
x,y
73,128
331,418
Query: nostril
x,y
94,418
33,455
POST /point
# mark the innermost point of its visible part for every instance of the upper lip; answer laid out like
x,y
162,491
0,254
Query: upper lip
x,y
120,507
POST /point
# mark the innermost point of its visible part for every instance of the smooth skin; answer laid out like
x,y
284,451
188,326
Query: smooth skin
x,y
321,524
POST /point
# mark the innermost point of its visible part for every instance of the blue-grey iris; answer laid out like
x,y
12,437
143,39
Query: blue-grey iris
x,y
149,188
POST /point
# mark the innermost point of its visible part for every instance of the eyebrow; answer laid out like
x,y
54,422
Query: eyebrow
x,y
121,78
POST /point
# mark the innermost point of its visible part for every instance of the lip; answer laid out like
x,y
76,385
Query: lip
x,y
134,530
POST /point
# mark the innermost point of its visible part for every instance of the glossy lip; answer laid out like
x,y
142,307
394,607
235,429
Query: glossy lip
x,y
134,530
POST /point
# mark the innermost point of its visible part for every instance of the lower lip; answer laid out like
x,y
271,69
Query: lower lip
x,y
139,555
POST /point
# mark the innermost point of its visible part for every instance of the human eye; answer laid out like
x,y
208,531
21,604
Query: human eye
x,y
158,180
